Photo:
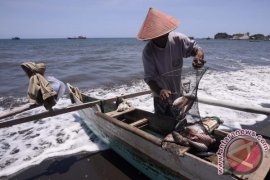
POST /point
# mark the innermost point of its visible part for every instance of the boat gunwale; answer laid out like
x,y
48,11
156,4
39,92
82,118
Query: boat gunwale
x,y
131,128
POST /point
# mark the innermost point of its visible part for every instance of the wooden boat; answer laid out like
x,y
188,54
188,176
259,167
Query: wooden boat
x,y
137,136
15,38
79,37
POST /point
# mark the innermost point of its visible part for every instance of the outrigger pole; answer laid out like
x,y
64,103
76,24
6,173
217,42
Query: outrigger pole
x,y
55,112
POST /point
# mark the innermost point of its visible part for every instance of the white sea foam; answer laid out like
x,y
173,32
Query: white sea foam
x,y
30,143
265,59
144,102
247,87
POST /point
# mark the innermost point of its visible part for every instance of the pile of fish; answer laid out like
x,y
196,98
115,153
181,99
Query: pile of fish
x,y
196,134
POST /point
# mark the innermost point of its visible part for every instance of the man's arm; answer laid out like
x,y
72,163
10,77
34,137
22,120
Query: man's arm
x,y
163,93
191,48
150,74
154,86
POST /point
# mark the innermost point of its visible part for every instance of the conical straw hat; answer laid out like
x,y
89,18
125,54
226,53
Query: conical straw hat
x,y
156,24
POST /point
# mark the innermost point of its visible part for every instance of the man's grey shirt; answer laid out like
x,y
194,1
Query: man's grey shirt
x,y
160,64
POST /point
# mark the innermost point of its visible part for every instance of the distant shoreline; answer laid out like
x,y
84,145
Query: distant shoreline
x,y
17,41
241,36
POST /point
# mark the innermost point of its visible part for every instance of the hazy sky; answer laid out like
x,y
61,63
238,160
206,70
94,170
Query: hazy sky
x,y
123,18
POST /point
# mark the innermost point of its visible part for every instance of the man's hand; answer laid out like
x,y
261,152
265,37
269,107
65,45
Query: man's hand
x,y
164,94
198,61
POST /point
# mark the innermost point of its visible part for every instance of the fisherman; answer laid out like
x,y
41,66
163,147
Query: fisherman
x,y
164,53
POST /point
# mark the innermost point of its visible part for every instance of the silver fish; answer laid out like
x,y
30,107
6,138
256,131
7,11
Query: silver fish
x,y
204,154
198,146
205,139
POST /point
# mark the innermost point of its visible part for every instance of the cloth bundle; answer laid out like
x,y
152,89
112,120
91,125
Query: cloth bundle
x,y
39,90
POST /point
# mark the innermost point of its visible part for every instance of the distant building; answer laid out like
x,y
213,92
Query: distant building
x,y
241,36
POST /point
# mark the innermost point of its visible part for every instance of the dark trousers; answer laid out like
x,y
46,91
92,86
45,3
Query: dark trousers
x,y
164,108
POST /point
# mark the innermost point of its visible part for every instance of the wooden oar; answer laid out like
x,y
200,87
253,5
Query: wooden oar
x,y
55,112
19,110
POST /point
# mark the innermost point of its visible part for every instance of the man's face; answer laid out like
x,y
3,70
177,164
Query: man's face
x,y
161,40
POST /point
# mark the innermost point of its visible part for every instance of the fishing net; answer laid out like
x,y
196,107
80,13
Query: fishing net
x,y
190,129
183,83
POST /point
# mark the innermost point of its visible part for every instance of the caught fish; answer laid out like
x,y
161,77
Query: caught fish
x,y
180,102
169,138
205,154
199,137
203,138
179,139
195,129
177,101
198,146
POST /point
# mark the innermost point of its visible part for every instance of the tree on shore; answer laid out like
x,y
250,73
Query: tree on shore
x,y
259,37
222,36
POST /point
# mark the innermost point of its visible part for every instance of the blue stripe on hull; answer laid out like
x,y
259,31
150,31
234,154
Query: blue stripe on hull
x,y
140,162
130,154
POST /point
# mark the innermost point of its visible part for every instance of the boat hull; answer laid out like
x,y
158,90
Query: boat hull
x,y
148,157
111,135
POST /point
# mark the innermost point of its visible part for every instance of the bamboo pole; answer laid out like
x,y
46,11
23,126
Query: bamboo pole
x,y
19,110
46,114
55,112
233,105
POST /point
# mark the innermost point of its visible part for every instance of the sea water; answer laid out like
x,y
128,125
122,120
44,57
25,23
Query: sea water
x,y
103,68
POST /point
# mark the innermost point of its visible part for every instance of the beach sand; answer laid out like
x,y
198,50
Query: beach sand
x,y
102,165
262,128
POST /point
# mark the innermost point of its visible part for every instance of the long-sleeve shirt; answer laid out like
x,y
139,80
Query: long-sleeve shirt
x,y
163,65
